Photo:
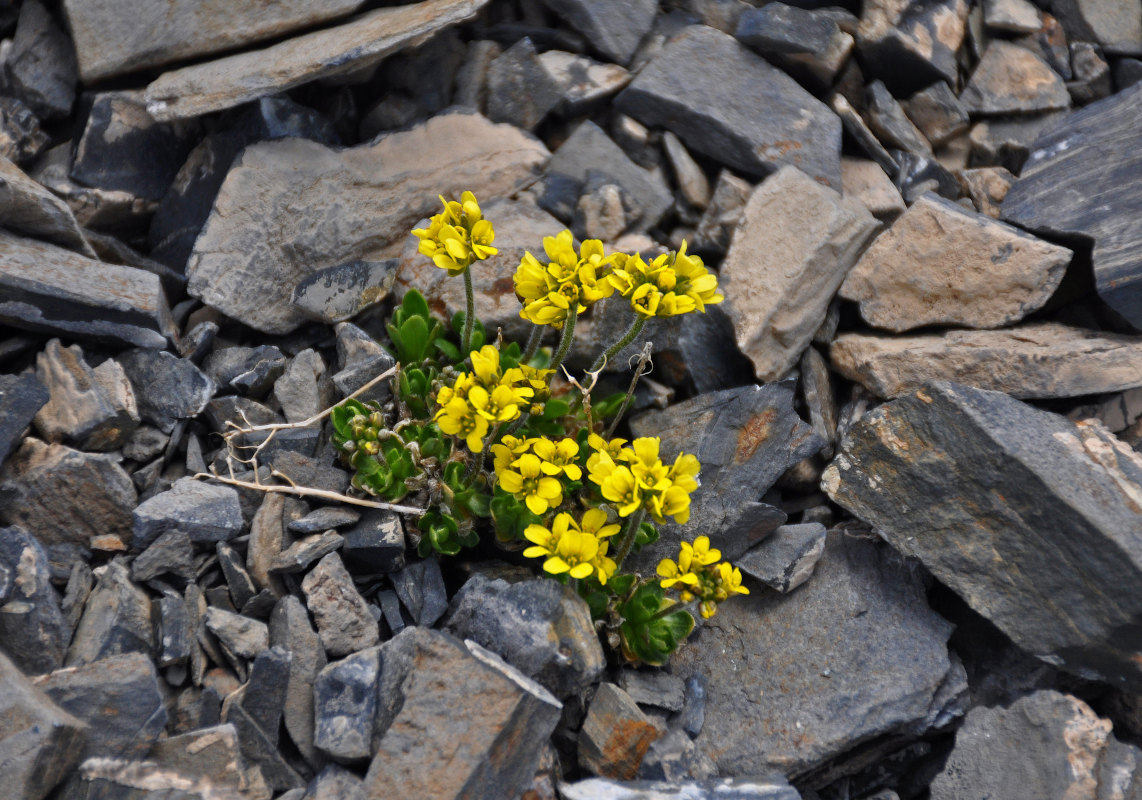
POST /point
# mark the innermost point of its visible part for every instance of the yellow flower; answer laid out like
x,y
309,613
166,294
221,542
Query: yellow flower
x,y
595,522
501,405
702,553
527,482
570,549
457,236
486,365
699,576
621,488
671,284
569,283
672,574
558,457
458,418
646,467
508,450
729,582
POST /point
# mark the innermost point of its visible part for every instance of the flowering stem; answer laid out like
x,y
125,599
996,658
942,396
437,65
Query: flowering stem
x,y
565,340
634,330
628,537
533,340
470,316
644,357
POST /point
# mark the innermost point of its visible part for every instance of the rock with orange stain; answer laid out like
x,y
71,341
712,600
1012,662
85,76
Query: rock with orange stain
x,y
615,735
1010,79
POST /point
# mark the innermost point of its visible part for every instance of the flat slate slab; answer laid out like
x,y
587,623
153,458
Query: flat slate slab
x,y
1084,177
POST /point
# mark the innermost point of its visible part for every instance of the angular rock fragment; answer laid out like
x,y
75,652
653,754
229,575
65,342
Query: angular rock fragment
x,y
1024,514
722,214
204,511
64,496
891,125
263,696
21,138
48,289
210,757
345,703
33,630
30,209
94,409
261,749
653,688
787,557
941,264
324,519
613,27
39,741
351,46
40,67
583,81
615,734
790,253
853,656
1116,26
375,543
420,587
343,619
745,439
291,630
520,90
339,293
1091,74
1012,80
247,370
938,113
1043,360
21,398
1006,141
234,270
1015,16
176,636
240,635
167,388
1090,159
912,43
172,552
775,788
117,619
301,554
804,42
987,187
541,628
469,725
241,586
1045,746
335,783
735,107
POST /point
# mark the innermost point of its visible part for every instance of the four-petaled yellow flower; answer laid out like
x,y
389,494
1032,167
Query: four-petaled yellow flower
x,y
671,284
457,236
635,477
697,575
460,419
567,284
527,482
578,549
488,394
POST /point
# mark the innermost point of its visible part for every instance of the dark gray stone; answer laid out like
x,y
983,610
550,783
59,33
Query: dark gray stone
x,y
375,544
722,216
735,107
910,44
420,587
250,371
1007,141
167,388
241,635
29,208
520,90
709,351
116,620
80,582
21,397
1091,74
937,112
93,409
540,627
391,611
343,619
675,758
41,67
224,413
919,175
291,630
39,741
1010,79
21,138
853,657
1116,26
172,552
145,444
891,125
120,700
339,293
324,519
787,557
176,636
808,44
317,471
241,585
1001,484
260,749
207,761
33,630
301,554
335,783
652,687
856,127
693,716
345,706
264,695
206,512
775,788
613,27
745,439
305,389
1089,159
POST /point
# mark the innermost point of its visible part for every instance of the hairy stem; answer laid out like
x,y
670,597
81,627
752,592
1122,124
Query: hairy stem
x,y
470,316
634,330
565,339
533,340
627,537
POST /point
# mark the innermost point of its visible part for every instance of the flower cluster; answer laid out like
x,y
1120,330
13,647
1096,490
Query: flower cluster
x,y
671,284
486,396
457,236
567,284
576,548
634,477
699,574
531,469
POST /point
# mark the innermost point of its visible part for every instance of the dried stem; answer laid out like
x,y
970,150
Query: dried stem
x,y
305,491
643,360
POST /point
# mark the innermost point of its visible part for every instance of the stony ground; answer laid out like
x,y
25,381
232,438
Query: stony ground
x,y
918,411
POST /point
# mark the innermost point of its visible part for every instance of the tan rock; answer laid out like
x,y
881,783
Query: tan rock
x,y
1012,80
987,186
942,264
291,207
29,208
867,182
795,242
355,45
1032,361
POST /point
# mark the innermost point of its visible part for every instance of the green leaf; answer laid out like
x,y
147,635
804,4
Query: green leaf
x,y
414,305
653,641
621,584
450,351
609,405
555,408
414,340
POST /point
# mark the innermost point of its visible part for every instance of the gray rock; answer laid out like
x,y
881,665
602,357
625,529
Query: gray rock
x,y
241,585
80,582
21,398
324,519
120,700
301,554
267,538
987,187
234,271
1115,26
376,543
745,438
520,90
335,783
942,264
33,630
790,253
653,688
1040,360
358,44
583,81
41,67
260,749
1090,157
167,388
345,706
817,387
240,635
807,43
787,558
692,181
891,125
176,636
209,757
469,725
45,288
64,496
1045,746
21,138
171,552
1006,141
205,511
854,656
263,696
692,718
775,788
675,758
709,352
117,619
858,129
613,27
1040,467
615,735
30,209
39,741
339,293
912,43
243,412
734,107
247,370
1013,16
1013,80
723,214
343,619
604,210
94,208
1091,74
420,587
291,630
938,113
305,388
93,409
540,627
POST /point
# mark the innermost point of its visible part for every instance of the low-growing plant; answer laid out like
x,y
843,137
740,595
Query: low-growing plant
x,y
481,439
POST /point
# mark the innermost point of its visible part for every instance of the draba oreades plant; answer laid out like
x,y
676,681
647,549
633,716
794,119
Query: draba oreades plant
x,y
477,437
